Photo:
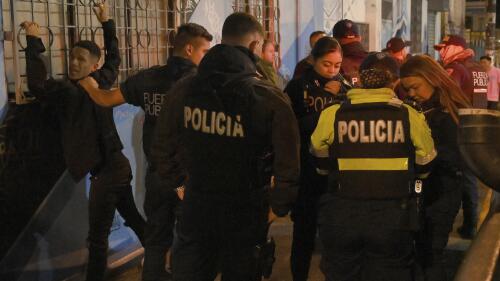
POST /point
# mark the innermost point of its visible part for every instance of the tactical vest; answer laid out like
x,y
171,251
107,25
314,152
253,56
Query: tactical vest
x,y
478,89
372,153
224,153
315,98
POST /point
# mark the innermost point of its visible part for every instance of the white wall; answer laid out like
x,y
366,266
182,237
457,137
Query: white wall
x,y
374,19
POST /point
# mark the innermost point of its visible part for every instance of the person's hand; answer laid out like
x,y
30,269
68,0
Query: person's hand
x,y
271,216
101,11
89,83
32,28
272,184
180,192
333,87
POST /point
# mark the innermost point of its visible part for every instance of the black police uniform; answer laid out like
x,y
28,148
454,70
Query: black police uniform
x,y
441,193
223,133
308,100
148,89
371,145
91,144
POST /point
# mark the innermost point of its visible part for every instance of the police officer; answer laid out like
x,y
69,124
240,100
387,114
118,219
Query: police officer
x,y
89,137
221,135
147,89
372,146
347,33
472,78
318,88
440,98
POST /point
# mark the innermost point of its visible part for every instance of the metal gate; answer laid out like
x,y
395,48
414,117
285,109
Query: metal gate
x,y
145,29
267,13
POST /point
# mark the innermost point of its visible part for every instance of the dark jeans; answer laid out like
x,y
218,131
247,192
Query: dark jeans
x,y
441,203
217,235
159,206
365,239
469,200
304,216
110,190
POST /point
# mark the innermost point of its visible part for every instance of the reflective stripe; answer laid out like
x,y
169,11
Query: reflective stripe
x,y
424,160
322,172
373,164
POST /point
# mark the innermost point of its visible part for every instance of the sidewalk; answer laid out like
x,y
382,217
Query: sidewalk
x,y
281,230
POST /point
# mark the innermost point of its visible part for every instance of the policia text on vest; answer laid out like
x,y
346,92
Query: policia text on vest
x,y
374,145
212,122
381,131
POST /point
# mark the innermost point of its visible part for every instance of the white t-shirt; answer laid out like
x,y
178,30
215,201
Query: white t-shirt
x,y
494,79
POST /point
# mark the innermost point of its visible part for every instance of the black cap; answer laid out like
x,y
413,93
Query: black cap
x,y
382,61
396,44
456,40
345,29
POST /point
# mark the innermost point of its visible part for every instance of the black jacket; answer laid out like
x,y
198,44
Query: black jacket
x,y
444,133
353,55
150,87
220,165
309,98
89,134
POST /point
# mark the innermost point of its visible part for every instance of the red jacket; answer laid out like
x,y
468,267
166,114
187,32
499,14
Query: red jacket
x,y
471,77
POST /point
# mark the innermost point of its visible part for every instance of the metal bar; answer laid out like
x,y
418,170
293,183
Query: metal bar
x,y
481,259
20,98
157,34
32,10
297,30
137,35
130,53
65,37
147,32
49,47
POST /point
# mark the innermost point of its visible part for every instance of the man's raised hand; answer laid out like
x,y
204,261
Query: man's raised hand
x,y
32,28
101,11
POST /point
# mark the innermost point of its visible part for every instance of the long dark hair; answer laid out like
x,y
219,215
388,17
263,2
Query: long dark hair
x,y
451,97
325,46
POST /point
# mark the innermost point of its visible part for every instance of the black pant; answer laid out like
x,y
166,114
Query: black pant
x,y
159,206
470,200
110,190
493,105
442,196
218,235
365,239
304,216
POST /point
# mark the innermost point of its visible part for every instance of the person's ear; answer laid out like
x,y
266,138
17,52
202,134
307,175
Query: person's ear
x,y
95,66
189,49
253,46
